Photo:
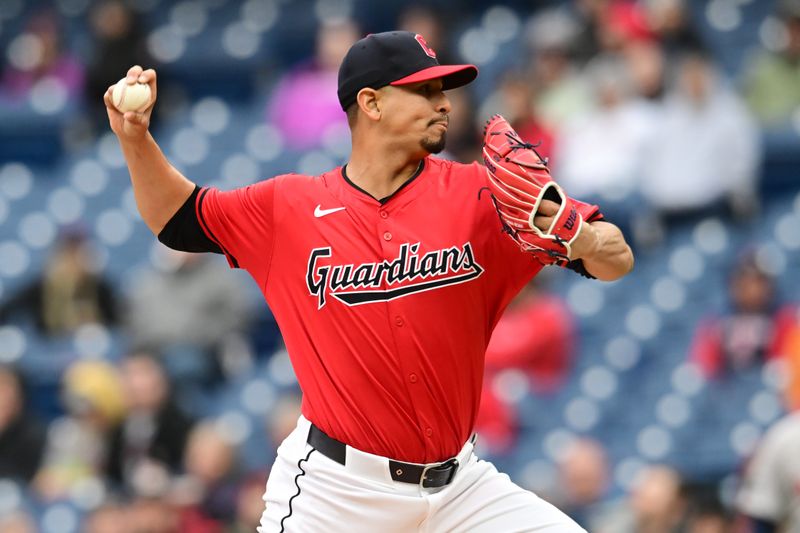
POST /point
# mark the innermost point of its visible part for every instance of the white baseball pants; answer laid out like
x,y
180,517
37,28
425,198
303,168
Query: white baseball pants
x,y
309,493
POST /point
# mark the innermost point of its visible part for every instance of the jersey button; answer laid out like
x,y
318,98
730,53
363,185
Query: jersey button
x,y
429,432
384,214
398,320
387,236
412,378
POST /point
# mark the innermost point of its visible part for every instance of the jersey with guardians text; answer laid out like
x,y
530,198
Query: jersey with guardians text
x,y
386,308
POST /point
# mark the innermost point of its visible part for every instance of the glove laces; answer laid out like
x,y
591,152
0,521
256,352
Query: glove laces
x,y
516,143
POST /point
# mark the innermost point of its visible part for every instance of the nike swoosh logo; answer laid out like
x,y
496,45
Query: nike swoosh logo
x,y
319,212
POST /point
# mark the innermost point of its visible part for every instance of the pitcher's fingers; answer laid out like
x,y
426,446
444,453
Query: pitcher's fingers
x,y
147,76
133,73
108,99
548,208
135,118
542,222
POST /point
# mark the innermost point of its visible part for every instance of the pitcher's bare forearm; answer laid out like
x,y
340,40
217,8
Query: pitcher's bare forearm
x,y
608,257
159,188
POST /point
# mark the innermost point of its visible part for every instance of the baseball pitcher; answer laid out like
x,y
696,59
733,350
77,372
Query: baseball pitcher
x,y
386,277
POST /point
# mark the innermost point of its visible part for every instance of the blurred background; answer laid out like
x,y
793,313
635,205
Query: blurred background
x,y
145,390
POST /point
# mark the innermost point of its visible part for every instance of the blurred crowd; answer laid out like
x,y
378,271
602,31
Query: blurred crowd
x,y
633,111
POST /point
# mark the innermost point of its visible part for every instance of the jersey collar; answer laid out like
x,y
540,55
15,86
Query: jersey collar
x,y
395,194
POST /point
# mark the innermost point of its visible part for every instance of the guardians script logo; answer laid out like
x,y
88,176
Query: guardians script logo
x,y
387,280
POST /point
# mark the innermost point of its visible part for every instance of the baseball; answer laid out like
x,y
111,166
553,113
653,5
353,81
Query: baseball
x,y
134,97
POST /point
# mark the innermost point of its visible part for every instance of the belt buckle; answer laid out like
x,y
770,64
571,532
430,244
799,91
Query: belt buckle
x,y
450,466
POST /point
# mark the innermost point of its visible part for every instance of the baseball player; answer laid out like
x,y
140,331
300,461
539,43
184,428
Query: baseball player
x,y
386,277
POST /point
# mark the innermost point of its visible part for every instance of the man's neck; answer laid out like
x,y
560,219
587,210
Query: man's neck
x,y
381,177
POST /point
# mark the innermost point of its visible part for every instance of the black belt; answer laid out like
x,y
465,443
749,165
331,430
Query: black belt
x,y
430,476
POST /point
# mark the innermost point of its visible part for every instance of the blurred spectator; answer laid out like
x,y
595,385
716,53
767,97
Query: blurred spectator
x,y
147,448
621,23
754,330
771,488
535,335
38,58
21,435
772,77
656,501
672,26
208,489
645,64
704,153
599,156
584,484
514,99
655,504
249,504
187,311
584,27
69,293
118,43
304,105
76,443
561,92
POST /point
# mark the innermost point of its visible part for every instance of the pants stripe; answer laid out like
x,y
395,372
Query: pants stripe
x,y
296,484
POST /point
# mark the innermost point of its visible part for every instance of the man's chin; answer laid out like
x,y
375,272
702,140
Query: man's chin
x,y
434,147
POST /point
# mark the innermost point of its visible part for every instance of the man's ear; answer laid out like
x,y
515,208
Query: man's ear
x,y
368,100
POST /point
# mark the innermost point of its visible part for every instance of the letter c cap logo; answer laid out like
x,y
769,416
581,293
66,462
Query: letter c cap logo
x,y
428,50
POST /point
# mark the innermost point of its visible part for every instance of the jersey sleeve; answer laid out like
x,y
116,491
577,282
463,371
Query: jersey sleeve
x,y
241,222
183,231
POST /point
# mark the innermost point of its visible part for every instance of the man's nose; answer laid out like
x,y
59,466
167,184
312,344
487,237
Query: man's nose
x,y
444,106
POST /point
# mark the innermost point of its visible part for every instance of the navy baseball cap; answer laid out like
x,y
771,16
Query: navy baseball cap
x,y
395,58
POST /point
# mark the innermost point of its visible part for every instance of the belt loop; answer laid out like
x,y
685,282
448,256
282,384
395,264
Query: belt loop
x,y
328,446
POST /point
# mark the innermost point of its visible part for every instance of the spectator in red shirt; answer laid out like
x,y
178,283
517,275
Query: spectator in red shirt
x,y
543,352
754,330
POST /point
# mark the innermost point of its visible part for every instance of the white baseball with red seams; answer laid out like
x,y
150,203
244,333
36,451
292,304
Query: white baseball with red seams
x,y
131,97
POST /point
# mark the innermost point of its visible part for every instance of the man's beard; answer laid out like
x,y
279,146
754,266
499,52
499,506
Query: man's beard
x,y
432,146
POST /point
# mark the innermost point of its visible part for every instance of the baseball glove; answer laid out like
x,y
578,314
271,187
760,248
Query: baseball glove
x,y
519,180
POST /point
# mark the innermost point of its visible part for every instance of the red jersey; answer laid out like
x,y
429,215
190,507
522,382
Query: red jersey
x,y
386,308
